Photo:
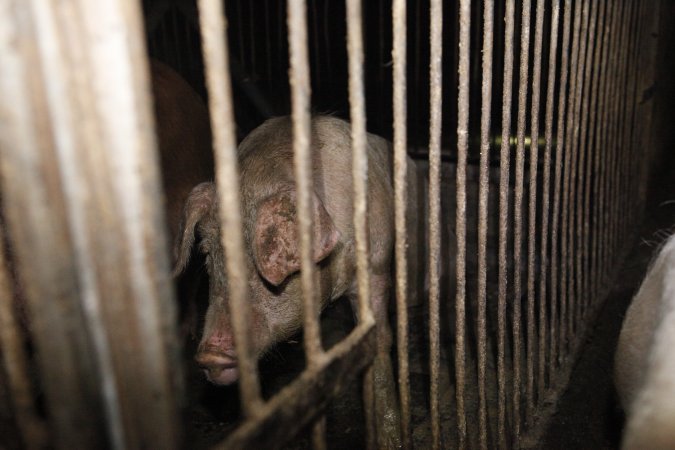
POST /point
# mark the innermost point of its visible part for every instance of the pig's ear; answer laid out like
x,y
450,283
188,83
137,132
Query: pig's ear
x,y
197,206
276,247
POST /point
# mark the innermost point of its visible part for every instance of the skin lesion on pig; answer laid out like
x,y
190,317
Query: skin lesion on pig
x,y
268,196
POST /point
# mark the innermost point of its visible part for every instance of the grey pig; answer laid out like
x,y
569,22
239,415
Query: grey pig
x,y
268,194
645,360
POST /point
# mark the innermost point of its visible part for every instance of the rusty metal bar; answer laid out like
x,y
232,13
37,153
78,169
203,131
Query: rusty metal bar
x,y
26,133
588,134
435,122
556,323
573,275
518,212
399,17
607,130
613,142
620,147
504,170
14,358
300,93
584,173
65,129
546,193
462,150
566,277
299,79
216,65
631,175
625,169
299,403
483,191
634,123
360,180
532,218
598,182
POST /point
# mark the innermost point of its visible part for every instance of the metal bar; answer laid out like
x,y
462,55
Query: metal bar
x,y
566,277
518,212
98,180
608,133
504,171
634,132
14,358
360,180
546,194
435,123
399,17
584,175
300,92
216,65
532,219
462,149
592,157
629,219
598,190
25,142
556,323
299,79
624,200
299,403
483,191
574,206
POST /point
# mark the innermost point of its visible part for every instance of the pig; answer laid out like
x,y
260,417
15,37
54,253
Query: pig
x,y
644,360
183,138
268,196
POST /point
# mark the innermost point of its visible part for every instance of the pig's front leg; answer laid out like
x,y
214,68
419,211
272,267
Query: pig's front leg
x,y
387,415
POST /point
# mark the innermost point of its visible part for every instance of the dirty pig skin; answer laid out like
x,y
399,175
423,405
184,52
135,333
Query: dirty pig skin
x,y
644,366
268,196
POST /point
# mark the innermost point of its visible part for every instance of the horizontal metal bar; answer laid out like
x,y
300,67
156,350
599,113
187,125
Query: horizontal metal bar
x,y
307,396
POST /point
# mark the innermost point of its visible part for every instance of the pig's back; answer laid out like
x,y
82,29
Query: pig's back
x,y
184,139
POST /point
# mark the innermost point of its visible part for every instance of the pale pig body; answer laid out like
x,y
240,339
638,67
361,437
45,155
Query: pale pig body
x,y
645,358
269,219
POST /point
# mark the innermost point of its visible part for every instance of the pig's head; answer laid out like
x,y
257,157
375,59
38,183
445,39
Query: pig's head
x,y
273,263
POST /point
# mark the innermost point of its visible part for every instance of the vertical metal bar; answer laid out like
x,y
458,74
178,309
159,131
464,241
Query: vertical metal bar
x,y
107,207
360,179
573,275
504,171
592,155
612,141
399,17
598,182
483,191
518,211
462,149
624,199
532,219
566,277
435,122
300,92
633,126
556,323
546,194
584,172
15,360
299,79
609,133
216,64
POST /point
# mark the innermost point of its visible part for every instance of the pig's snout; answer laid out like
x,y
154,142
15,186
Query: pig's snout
x,y
220,367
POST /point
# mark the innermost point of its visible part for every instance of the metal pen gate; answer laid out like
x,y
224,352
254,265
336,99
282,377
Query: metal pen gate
x,y
88,335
